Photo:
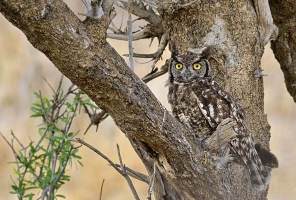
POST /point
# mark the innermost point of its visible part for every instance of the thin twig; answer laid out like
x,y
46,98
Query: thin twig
x,y
155,74
97,152
60,86
31,157
142,34
151,182
49,85
158,53
129,181
145,62
130,39
58,103
23,147
54,182
10,147
44,193
43,161
137,175
71,119
95,118
120,160
101,192
53,168
121,21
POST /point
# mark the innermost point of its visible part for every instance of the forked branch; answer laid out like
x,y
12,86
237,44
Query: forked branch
x,y
121,169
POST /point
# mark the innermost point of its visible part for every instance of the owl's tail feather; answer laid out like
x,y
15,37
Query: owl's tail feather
x,y
259,178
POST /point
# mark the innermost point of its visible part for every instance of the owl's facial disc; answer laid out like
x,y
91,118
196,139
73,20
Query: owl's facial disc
x,y
186,68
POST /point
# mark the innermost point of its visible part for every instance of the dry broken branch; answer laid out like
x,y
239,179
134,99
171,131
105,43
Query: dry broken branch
x,y
156,55
163,70
125,174
268,30
143,34
140,11
151,183
101,192
130,39
137,175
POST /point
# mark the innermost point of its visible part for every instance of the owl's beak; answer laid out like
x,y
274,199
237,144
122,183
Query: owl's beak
x,y
187,73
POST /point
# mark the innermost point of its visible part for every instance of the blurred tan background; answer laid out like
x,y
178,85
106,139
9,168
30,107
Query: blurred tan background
x,y
22,71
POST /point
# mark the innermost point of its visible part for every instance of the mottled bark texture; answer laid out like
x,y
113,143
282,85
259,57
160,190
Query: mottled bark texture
x,y
80,51
284,47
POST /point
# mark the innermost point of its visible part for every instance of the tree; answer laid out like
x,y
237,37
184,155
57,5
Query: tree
x,y
240,30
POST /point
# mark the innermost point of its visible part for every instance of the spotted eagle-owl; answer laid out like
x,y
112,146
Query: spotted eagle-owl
x,y
199,102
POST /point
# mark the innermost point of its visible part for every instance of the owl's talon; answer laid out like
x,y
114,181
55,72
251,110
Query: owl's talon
x,y
223,160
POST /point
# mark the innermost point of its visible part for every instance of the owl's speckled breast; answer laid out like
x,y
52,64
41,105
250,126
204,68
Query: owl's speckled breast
x,y
184,107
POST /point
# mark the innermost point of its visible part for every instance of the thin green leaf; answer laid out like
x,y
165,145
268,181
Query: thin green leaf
x,y
15,188
92,105
30,196
37,95
36,115
71,134
76,156
59,195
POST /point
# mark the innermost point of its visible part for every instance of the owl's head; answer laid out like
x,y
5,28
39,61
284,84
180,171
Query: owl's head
x,y
187,68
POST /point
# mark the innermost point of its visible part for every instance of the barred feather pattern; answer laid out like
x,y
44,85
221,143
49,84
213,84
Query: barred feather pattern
x,y
201,105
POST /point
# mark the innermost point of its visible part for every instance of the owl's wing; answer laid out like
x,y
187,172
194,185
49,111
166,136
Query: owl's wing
x,y
234,109
214,103
205,113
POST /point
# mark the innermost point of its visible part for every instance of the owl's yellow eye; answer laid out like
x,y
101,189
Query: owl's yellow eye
x,y
179,66
196,66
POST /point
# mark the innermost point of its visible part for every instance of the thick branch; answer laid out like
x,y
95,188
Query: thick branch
x,y
284,47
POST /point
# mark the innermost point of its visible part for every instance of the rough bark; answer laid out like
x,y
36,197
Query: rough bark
x,y
80,51
284,47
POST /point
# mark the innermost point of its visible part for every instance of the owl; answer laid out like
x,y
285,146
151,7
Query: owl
x,y
200,103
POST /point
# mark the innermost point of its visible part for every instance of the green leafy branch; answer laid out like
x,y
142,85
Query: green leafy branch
x,y
41,167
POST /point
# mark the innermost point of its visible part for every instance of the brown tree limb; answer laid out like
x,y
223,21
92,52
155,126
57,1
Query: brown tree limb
x,y
284,47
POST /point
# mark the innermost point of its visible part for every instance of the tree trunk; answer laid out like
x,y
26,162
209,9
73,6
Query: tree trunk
x,y
238,29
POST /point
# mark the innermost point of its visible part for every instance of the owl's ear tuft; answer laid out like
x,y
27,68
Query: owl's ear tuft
x,y
207,52
174,49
